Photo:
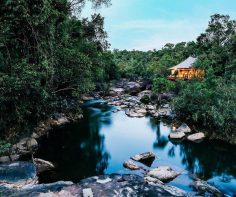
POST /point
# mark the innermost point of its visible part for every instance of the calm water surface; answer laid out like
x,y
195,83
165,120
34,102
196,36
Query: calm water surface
x,y
102,141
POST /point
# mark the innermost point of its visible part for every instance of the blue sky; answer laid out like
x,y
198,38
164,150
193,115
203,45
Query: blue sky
x,y
148,24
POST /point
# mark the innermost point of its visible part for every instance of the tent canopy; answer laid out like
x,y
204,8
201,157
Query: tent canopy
x,y
188,63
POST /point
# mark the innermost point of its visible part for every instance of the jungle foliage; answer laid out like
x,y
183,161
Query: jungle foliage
x,y
209,102
47,57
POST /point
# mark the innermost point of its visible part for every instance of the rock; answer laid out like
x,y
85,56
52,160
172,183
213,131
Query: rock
x,y
62,120
42,165
120,185
145,158
133,114
35,135
166,106
176,135
123,106
61,193
104,181
14,157
197,137
87,98
163,111
150,107
152,180
32,144
123,185
5,159
131,165
141,111
163,173
173,190
21,147
203,187
87,192
184,128
116,91
42,190
18,175
145,93
132,87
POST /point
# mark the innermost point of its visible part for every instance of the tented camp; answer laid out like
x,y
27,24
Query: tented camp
x,y
185,70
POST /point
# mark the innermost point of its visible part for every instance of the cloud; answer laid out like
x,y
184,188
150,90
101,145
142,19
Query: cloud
x,y
154,34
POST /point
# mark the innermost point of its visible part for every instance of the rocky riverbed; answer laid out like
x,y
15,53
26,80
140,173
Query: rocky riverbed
x,y
21,178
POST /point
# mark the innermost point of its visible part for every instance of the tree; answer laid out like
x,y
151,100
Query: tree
x,y
48,56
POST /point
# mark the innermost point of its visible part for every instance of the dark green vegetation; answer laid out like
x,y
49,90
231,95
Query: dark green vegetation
x,y
48,58
210,102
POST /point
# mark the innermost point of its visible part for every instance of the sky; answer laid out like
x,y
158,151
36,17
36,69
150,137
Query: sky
x,y
150,24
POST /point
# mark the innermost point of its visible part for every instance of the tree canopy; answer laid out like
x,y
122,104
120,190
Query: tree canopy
x,y
48,55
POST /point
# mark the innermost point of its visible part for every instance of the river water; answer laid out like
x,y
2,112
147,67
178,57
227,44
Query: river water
x,y
103,140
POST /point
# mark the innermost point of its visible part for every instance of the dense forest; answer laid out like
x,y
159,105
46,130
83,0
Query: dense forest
x,y
209,102
49,57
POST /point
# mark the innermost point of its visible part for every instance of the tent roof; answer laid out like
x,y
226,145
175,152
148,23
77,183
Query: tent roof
x,y
188,63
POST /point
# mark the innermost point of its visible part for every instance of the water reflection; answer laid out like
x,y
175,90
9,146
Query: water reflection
x,y
77,152
103,140
208,159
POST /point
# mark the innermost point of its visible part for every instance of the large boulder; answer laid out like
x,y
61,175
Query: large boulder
x,y
145,158
132,88
197,137
40,190
164,112
87,97
116,91
163,173
42,165
133,114
176,135
25,146
145,93
184,128
32,144
5,159
106,185
203,187
142,111
131,165
150,107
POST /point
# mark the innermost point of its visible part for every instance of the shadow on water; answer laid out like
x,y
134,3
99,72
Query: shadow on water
x,y
77,149
103,140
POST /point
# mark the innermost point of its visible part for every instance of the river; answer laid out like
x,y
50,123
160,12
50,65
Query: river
x,y
103,140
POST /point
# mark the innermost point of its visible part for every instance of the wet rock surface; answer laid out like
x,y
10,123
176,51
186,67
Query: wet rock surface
x,y
145,158
163,173
184,128
197,137
53,189
118,185
42,165
131,165
18,175
177,135
203,187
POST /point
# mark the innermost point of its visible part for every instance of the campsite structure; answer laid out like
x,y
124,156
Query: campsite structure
x,y
186,70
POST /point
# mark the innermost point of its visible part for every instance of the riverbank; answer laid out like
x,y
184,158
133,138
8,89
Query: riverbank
x,y
24,183
55,144
134,97
132,104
